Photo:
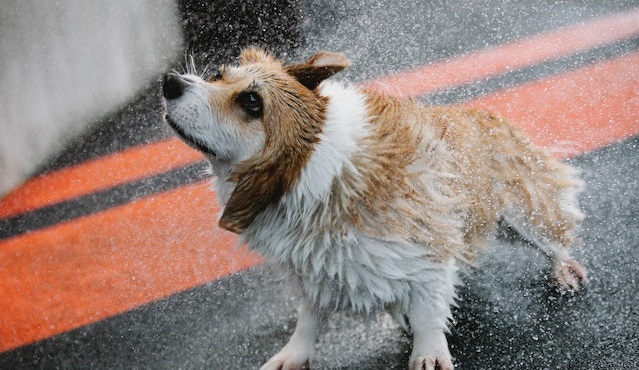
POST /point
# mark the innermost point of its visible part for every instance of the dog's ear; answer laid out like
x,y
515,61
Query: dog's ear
x,y
318,68
256,55
256,188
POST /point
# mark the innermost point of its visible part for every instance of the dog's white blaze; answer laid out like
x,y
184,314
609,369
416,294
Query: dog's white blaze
x,y
345,124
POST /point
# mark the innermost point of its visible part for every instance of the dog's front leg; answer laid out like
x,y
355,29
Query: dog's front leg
x,y
428,317
300,349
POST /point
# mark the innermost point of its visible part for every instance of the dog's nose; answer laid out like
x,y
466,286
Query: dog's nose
x,y
173,86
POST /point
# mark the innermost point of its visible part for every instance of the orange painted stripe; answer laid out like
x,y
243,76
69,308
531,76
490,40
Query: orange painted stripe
x,y
577,111
511,56
102,173
77,273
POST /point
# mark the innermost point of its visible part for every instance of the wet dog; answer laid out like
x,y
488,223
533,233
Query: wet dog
x,y
368,202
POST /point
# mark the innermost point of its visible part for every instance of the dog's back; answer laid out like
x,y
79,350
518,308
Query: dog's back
x,y
469,164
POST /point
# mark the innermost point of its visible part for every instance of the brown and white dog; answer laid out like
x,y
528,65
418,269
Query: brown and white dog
x,y
365,201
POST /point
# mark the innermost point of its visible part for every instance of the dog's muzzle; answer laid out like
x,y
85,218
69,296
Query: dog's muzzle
x,y
174,86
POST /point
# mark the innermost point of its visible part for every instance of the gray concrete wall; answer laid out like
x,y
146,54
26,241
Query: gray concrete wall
x,y
65,64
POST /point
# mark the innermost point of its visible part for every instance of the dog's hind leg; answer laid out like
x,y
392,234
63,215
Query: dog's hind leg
x,y
566,271
544,211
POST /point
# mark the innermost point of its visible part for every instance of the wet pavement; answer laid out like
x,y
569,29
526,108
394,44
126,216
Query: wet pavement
x,y
508,316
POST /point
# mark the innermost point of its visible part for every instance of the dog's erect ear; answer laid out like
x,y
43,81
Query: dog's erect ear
x,y
318,68
256,55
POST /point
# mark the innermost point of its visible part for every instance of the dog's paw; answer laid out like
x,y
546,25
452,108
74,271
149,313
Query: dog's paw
x,y
441,361
431,354
289,359
568,274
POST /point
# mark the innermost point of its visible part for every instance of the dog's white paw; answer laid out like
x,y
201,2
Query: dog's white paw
x,y
569,274
290,358
431,352
431,361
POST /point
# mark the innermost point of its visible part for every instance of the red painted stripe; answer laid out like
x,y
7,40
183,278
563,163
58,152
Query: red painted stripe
x,y
76,273
577,111
511,56
99,174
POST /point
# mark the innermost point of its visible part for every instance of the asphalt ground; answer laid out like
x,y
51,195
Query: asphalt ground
x,y
110,256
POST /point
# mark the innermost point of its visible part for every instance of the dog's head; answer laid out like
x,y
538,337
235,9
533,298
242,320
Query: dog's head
x,y
261,117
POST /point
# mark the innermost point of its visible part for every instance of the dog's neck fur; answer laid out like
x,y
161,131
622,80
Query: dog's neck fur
x,y
329,152
360,168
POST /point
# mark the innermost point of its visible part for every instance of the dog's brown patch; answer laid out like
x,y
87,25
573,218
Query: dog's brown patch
x,y
292,120
431,175
397,202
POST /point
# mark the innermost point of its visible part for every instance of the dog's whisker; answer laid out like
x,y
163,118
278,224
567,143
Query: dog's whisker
x,y
191,65
205,71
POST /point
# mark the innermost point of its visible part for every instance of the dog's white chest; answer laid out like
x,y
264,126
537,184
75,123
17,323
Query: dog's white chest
x,y
350,271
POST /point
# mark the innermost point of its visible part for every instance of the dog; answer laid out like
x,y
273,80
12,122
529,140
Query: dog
x,y
365,201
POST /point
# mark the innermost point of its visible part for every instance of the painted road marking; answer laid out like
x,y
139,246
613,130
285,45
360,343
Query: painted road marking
x,y
577,111
76,273
102,200
99,174
503,58
546,69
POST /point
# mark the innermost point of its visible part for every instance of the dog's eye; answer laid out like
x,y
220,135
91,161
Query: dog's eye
x,y
251,103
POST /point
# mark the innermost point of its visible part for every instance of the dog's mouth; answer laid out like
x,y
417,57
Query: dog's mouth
x,y
195,143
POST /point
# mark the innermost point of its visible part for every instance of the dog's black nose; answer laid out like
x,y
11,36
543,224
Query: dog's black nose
x,y
173,86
